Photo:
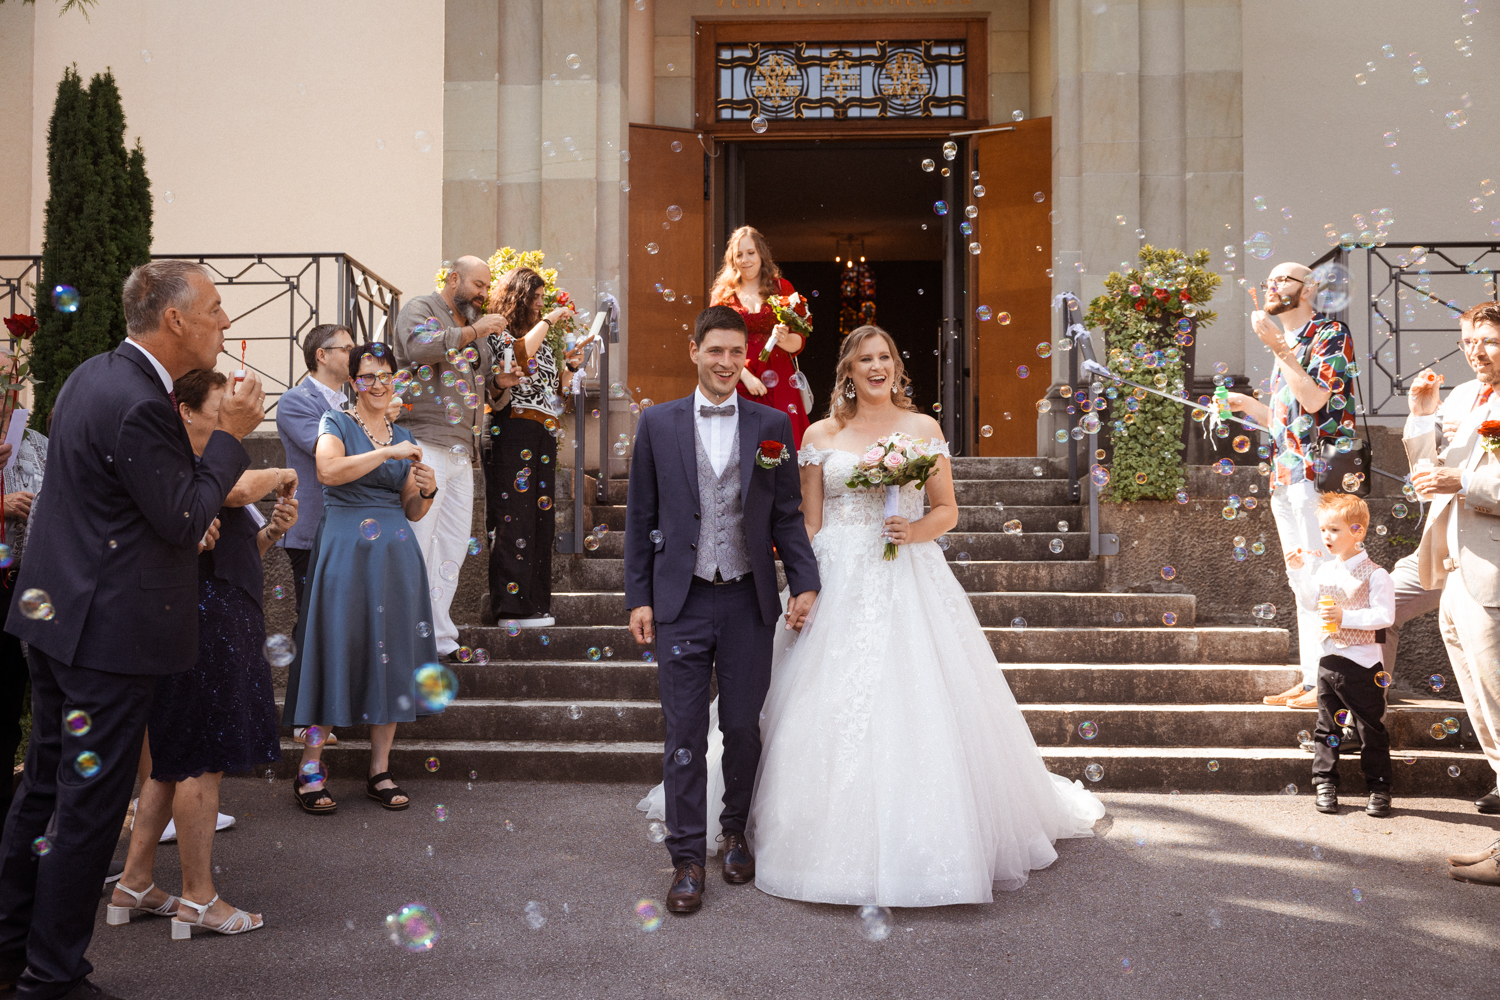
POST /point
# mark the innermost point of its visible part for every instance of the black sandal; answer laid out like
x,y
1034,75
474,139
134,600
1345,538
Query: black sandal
x,y
385,795
309,800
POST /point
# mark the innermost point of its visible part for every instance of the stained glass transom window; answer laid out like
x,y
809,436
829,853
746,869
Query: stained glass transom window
x,y
840,80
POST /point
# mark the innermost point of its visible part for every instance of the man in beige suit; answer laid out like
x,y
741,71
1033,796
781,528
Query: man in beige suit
x,y
1460,547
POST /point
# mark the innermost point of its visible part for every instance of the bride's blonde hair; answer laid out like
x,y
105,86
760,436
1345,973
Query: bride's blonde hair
x,y
728,280
841,408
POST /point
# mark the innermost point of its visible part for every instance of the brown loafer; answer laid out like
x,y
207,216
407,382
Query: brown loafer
x,y
1285,696
1475,858
686,894
1307,699
1484,873
739,863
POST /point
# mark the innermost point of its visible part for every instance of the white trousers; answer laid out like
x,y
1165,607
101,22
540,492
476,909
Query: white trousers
x,y
1411,601
1471,632
443,536
1295,509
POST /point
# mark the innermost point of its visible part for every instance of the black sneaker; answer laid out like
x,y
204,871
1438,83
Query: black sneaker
x,y
1328,797
1379,804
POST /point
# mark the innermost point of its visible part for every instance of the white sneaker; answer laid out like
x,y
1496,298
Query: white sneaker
x,y
541,622
224,822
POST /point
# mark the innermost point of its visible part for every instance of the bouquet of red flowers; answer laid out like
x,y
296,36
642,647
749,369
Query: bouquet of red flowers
x,y
791,311
1489,436
892,462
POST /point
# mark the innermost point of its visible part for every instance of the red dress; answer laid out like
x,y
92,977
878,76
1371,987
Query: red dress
x,y
784,396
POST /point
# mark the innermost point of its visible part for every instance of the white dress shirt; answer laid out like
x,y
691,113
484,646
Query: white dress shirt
x,y
716,433
335,397
1418,424
1380,614
161,371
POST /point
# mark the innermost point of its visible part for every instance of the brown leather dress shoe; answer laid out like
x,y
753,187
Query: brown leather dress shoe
x,y
1476,857
1484,873
686,894
1305,700
1285,696
739,863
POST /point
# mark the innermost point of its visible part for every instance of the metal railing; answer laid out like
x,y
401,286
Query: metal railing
x,y
597,358
271,298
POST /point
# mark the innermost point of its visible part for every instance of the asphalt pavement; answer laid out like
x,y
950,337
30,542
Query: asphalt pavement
x,y
1191,895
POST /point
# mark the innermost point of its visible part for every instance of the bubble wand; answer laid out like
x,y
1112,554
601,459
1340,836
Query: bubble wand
x,y
239,376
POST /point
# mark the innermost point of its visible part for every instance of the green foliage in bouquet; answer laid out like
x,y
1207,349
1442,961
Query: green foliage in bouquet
x,y
1149,316
506,260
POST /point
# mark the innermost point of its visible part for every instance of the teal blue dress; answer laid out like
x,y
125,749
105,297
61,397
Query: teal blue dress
x,y
365,625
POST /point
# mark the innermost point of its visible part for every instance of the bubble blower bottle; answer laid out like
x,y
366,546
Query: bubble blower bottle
x,y
1221,403
1326,603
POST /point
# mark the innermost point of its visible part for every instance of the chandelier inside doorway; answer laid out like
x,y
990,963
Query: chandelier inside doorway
x,y
856,284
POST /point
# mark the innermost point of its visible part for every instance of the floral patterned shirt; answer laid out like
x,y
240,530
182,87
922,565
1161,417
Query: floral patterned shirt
x,y
1325,350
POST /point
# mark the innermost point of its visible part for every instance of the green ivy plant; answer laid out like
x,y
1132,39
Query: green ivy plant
x,y
1149,315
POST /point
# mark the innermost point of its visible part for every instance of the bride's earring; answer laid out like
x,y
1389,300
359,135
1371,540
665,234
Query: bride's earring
x,y
849,390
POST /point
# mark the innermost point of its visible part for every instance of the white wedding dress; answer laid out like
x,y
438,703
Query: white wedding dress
x,y
897,769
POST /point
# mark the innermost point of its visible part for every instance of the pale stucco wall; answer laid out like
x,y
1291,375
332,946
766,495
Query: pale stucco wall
x,y
1315,139
273,126
15,126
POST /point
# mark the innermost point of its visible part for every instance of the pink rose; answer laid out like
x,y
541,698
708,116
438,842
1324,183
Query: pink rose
x,y
920,448
873,456
894,461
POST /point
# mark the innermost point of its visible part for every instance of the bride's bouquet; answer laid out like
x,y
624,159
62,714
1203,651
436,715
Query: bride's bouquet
x,y
892,462
792,312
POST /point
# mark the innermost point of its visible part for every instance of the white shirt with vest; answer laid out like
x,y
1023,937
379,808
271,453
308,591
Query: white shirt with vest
x,y
716,433
1379,611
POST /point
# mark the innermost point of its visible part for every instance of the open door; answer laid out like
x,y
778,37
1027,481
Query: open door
x,y
668,235
1009,279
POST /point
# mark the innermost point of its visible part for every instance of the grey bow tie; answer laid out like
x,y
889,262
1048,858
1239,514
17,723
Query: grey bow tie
x,y
726,410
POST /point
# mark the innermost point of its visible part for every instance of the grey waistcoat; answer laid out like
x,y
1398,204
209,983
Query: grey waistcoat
x,y
721,541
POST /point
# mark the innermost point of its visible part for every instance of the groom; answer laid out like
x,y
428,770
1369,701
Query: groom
x,y
713,487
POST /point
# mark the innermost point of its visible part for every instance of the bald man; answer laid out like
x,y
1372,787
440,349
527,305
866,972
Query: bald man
x,y
446,427
1311,351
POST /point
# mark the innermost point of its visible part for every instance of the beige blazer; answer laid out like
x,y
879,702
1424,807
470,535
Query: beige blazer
x,y
1478,510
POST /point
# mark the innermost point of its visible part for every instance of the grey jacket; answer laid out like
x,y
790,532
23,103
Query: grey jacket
x,y
427,418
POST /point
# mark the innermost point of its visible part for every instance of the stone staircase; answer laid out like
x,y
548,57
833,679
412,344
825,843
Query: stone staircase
x,y
1173,706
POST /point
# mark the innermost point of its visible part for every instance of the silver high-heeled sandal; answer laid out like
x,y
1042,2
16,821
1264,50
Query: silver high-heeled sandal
x,y
115,916
239,921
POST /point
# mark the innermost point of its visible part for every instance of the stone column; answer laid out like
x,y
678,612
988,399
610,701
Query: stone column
x,y
519,124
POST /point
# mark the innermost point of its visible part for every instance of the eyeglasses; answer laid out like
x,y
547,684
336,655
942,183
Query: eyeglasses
x,y
330,347
364,383
1280,279
1474,344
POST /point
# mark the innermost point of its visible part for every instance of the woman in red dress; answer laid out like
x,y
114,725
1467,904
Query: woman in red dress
x,y
749,276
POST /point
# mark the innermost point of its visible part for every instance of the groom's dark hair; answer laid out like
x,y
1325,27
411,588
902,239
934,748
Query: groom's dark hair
x,y
718,318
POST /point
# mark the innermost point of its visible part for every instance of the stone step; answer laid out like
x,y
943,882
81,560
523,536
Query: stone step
x,y
1024,547
1040,609
610,678
1218,644
1018,492
1147,683
1009,468
1032,518
1124,768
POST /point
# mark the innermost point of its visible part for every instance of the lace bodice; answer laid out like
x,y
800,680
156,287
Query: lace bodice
x,y
843,507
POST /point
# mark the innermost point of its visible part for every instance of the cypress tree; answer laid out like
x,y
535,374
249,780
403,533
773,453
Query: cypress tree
x,y
97,227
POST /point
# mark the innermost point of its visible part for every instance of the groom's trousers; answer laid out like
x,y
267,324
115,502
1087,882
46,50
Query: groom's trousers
x,y
719,632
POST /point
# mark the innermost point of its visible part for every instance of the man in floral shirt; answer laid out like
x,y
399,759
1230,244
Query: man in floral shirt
x,y
1307,406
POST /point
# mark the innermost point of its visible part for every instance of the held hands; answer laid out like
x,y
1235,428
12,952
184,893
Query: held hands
x,y
1437,480
284,515
423,476
1424,399
403,450
210,537
19,504
243,408
643,625
799,609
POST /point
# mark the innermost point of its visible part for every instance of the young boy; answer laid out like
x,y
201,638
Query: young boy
x,y
1358,600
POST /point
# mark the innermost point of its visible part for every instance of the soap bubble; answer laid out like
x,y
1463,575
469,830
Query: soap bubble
x,y
648,911
653,248
77,722
1038,197
1003,319
1022,371
436,685
928,166
1018,623
463,654
656,831
758,124
1093,772
1264,611
1332,280
1168,573
1169,618
37,604
432,764
279,650
770,378
448,570
1450,725
574,712
369,529
683,756
1056,545
1260,245
1241,444
41,847
940,207
415,927
87,764
986,431
1088,730
1044,349
1382,679
593,653
950,150
1436,682
1011,527
65,298
1342,717
874,923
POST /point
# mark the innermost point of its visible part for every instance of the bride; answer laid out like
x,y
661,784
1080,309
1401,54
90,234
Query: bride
x,y
898,769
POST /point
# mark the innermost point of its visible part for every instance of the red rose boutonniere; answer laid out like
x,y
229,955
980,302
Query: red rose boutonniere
x,y
1489,436
770,454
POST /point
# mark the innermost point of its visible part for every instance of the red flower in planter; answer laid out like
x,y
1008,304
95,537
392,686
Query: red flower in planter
x,y
1161,294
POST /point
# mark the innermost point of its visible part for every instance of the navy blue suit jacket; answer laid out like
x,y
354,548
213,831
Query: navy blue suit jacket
x,y
299,412
114,531
664,497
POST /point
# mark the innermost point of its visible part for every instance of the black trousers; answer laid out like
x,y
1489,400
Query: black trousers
x,y
48,901
299,559
1344,684
524,520
719,633
13,677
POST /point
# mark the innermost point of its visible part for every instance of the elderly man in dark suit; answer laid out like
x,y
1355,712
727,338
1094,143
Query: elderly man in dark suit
x,y
107,601
708,502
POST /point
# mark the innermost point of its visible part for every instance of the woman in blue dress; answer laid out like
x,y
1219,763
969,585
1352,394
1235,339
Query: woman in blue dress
x,y
365,625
